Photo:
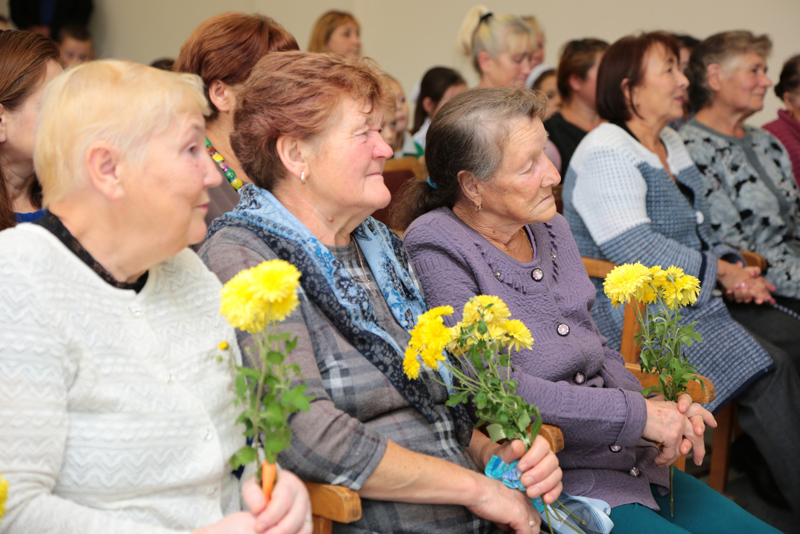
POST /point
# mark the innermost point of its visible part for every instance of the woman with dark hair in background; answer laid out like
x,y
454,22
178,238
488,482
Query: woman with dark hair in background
x,y
337,32
438,85
787,126
577,83
222,51
28,62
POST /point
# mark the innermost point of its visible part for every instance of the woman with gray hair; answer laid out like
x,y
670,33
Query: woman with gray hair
x,y
485,223
747,174
115,415
500,47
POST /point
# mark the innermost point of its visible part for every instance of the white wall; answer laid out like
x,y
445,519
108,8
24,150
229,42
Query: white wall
x,y
411,36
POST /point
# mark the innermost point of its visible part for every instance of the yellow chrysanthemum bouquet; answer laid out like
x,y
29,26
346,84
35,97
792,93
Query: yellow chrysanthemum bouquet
x,y
3,496
255,300
480,348
661,337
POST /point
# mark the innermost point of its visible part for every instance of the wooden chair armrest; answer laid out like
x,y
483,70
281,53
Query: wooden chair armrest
x,y
754,259
553,436
597,268
336,503
697,392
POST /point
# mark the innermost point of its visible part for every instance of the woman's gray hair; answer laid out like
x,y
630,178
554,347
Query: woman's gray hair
x,y
469,133
719,49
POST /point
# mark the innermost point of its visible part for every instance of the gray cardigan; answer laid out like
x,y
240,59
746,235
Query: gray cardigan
x,y
579,383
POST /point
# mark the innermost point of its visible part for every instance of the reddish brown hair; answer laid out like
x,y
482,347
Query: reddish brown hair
x,y
227,47
625,60
23,63
324,27
297,94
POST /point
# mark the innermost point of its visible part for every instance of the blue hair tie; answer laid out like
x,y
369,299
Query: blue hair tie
x,y
433,185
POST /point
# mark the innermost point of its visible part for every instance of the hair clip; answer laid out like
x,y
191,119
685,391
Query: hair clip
x,y
485,17
433,185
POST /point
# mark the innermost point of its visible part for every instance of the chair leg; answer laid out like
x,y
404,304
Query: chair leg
x,y
322,525
680,463
721,448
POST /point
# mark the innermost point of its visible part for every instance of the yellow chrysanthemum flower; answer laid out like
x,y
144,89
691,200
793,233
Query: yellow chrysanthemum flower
x,y
518,335
690,289
495,315
626,282
3,496
255,297
410,364
223,345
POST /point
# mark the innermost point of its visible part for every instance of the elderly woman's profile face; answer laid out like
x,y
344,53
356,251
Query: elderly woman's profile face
x,y
743,83
168,194
662,91
521,191
346,162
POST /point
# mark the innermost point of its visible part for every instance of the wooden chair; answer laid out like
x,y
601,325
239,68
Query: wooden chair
x,y
332,503
396,173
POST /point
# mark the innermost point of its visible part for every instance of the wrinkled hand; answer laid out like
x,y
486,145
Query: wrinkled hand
x,y
507,508
745,284
700,418
541,474
678,431
288,511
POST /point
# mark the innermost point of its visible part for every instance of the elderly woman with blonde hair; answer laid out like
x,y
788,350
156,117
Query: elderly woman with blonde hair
x,y
115,415
308,134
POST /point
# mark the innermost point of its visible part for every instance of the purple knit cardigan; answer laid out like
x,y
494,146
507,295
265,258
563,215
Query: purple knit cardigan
x,y
579,383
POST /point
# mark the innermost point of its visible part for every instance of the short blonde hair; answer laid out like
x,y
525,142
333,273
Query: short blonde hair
x,y
324,27
120,102
483,31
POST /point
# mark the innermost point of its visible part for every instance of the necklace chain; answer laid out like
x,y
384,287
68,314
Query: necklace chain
x,y
229,173
363,270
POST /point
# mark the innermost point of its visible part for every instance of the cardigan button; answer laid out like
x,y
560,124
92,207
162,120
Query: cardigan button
x,y
498,275
579,378
135,310
563,329
209,435
537,275
700,217
614,448
634,472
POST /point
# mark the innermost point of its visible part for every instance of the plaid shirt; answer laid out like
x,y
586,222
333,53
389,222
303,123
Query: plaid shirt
x,y
355,410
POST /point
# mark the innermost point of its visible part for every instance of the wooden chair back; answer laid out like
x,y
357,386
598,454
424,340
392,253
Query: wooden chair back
x,y
396,173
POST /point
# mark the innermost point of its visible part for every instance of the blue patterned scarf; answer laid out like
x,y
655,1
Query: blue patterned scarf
x,y
346,304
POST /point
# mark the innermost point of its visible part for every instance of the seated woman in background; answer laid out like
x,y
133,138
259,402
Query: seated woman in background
x,y
686,45
403,144
633,194
488,225
438,85
337,32
115,415
546,82
577,84
787,126
500,47
28,62
753,199
538,54
307,132
222,51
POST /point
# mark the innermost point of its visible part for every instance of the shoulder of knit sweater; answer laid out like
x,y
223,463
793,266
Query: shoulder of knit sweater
x,y
26,243
611,138
439,224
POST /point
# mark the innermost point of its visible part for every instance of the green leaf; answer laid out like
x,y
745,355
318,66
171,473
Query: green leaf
x,y
274,357
243,456
523,420
496,432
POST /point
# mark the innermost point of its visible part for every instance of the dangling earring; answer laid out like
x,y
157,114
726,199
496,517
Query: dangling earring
x,y
303,177
479,207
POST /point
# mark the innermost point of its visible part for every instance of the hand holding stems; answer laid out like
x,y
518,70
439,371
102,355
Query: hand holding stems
x,y
744,284
288,511
541,474
679,427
